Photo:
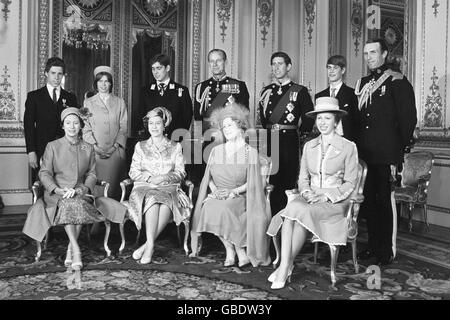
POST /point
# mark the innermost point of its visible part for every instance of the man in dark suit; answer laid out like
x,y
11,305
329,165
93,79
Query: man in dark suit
x,y
387,118
43,109
164,92
336,67
282,108
218,90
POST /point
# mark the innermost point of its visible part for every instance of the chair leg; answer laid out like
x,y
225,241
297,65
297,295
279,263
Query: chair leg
x,y
37,257
88,234
136,243
122,236
316,250
179,235
46,240
276,244
410,223
355,256
334,251
425,216
186,235
105,241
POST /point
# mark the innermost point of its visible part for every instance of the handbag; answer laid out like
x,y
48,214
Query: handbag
x,y
183,200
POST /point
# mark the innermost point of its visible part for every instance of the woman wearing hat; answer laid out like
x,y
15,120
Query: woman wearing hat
x,y
328,174
68,176
106,129
157,169
231,202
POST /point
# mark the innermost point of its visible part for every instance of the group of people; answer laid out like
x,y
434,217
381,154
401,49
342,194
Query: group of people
x,y
375,122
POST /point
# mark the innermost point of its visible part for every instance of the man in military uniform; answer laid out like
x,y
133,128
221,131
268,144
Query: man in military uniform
x,y
164,92
387,118
282,108
336,67
218,90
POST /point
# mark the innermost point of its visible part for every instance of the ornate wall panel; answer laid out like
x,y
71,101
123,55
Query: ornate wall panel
x,y
432,86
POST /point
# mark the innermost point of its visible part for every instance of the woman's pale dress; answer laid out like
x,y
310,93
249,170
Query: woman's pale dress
x,y
242,220
150,160
106,125
334,174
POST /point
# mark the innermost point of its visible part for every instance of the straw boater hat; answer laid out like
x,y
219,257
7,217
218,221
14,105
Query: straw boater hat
x,y
70,110
232,110
326,104
102,69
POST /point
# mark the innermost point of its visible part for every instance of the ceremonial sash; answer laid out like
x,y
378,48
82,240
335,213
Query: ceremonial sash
x,y
227,90
369,88
280,108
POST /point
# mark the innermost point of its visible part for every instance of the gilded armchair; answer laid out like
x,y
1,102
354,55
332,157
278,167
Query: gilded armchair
x,y
126,186
356,198
38,190
416,175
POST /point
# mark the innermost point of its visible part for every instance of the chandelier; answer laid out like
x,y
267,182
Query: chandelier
x,y
93,36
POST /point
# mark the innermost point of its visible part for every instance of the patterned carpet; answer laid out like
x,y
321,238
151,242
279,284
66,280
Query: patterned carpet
x,y
178,277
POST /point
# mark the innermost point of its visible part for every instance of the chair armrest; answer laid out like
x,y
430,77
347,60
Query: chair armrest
x,y
104,184
125,183
291,194
190,187
36,188
359,198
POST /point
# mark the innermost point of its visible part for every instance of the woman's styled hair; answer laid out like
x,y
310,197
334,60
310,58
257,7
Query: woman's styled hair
x,y
235,111
161,112
97,78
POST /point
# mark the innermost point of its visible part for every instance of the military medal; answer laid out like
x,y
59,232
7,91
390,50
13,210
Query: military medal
x,y
290,107
64,103
279,92
383,90
171,86
180,92
290,117
293,96
217,87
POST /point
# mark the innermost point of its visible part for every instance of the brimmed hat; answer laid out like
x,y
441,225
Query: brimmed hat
x,y
103,69
70,110
234,111
326,104
166,115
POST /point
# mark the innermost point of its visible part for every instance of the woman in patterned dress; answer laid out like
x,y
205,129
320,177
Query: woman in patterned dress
x,y
157,169
68,176
231,203
328,174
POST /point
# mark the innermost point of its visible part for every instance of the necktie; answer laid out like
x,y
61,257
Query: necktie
x,y
162,87
333,93
54,96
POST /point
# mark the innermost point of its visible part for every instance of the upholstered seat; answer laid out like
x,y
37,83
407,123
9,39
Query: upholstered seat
x,y
416,175
38,191
127,185
356,198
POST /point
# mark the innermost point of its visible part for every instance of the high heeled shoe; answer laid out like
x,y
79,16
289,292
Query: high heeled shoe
x,y
273,275
137,254
145,260
68,260
77,264
280,284
229,262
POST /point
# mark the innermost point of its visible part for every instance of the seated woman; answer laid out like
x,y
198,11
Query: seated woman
x,y
328,174
234,208
68,176
157,169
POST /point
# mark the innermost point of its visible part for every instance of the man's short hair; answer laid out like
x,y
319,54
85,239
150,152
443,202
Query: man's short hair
x,y
382,43
283,55
163,59
337,60
222,52
55,62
